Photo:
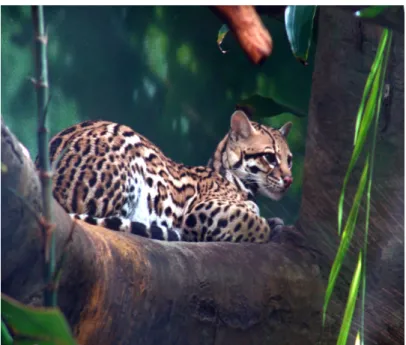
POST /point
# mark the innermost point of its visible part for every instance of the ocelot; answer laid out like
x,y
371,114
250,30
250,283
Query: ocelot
x,y
106,174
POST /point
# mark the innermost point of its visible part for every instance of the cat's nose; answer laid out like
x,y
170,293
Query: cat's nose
x,y
287,181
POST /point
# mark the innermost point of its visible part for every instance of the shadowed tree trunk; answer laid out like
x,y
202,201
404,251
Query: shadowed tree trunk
x,y
345,51
121,289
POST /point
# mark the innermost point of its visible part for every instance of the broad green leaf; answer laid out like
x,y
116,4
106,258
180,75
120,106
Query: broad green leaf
x,y
6,338
29,325
371,11
267,107
351,301
366,120
221,35
346,237
299,28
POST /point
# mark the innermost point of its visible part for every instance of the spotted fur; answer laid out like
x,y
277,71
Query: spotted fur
x,y
106,174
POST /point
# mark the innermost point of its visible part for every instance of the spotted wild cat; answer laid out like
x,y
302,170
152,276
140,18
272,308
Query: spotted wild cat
x,y
109,175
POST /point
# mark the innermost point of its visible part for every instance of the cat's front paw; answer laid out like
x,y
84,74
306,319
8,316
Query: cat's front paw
x,y
276,225
275,222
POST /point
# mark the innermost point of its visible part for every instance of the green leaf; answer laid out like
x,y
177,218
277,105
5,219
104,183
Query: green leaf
x,y
299,28
267,107
371,76
346,237
6,338
358,339
369,109
29,325
371,11
221,36
369,187
365,123
350,306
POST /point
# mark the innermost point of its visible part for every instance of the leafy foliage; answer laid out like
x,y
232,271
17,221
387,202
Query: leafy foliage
x,y
267,107
349,309
6,338
346,238
365,116
29,325
369,111
299,28
371,11
221,36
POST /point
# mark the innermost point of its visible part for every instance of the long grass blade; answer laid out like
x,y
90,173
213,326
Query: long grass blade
x,y
371,11
368,84
369,187
350,306
346,237
6,337
358,339
365,123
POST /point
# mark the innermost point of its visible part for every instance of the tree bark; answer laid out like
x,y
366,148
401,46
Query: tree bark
x,y
119,288
345,51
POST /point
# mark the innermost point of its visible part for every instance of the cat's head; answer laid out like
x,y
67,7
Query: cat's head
x,y
259,155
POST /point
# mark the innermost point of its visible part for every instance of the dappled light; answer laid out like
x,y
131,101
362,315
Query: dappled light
x,y
185,58
149,87
156,50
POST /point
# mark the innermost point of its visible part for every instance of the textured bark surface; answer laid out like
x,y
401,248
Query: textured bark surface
x,y
123,289
345,51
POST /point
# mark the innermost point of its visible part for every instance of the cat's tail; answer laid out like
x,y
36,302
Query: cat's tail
x,y
116,223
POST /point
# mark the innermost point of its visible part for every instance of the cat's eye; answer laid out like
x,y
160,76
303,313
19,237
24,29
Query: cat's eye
x,y
271,158
290,162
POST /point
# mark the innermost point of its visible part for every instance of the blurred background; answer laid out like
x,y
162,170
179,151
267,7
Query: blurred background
x,y
156,69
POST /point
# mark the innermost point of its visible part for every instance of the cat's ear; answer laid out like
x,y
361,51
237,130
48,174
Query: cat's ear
x,y
240,125
246,109
285,129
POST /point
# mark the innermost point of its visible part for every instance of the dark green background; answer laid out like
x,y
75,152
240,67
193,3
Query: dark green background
x,y
156,69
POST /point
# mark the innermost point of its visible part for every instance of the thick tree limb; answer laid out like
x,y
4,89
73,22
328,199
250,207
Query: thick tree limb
x,y
247,27
123,289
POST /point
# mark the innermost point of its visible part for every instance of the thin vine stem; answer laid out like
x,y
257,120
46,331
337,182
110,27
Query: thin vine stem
x,y
45,174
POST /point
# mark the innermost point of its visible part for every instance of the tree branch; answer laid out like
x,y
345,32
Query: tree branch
x,y
119,288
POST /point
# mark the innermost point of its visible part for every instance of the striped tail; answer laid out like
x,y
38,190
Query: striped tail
x,y
125,225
